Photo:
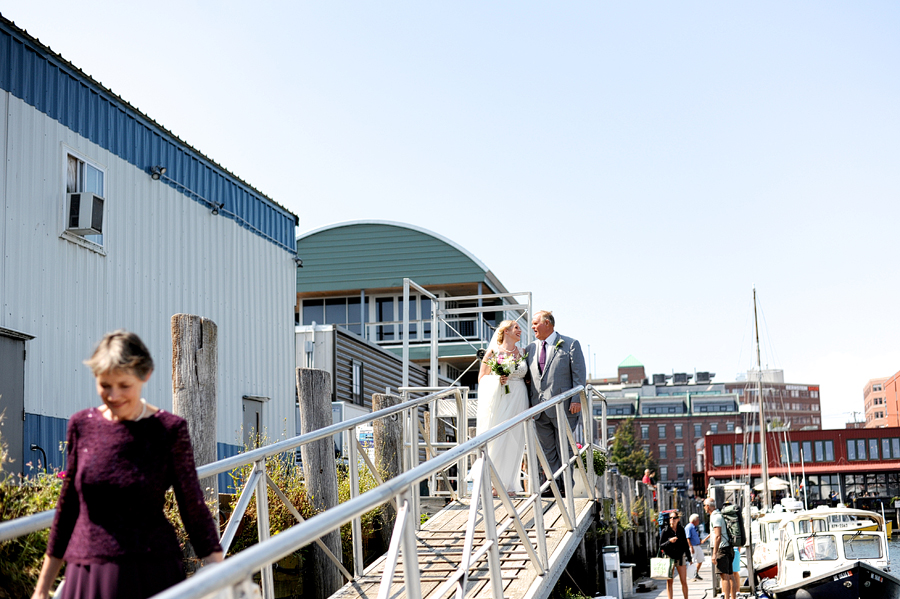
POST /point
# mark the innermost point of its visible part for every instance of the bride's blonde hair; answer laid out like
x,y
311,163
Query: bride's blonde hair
x,y
502,328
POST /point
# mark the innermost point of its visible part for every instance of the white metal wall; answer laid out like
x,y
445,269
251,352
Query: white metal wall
x,y
166,254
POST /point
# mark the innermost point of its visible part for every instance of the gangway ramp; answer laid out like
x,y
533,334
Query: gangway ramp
x,y
440,547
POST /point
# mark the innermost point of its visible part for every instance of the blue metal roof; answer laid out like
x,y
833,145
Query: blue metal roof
x,y
43,79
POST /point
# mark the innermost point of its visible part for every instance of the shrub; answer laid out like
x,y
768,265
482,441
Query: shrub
x,y
21,558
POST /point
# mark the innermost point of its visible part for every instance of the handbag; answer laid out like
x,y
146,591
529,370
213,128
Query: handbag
x,y
662,568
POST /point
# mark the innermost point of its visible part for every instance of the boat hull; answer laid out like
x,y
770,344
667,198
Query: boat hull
x,y
859,580
767,570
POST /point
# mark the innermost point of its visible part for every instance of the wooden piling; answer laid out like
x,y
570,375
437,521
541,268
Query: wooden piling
x,y
387,434
319,472
194,391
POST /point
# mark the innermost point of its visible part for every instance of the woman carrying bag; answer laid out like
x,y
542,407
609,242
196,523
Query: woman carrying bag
x,y
673,543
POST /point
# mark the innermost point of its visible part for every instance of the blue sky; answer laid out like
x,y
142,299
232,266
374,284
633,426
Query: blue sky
x,y
637,166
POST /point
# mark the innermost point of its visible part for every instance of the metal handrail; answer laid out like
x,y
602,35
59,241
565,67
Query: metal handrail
x,y
35,522
240,567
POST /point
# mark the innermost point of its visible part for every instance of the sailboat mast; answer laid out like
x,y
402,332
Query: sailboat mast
x,y
764,457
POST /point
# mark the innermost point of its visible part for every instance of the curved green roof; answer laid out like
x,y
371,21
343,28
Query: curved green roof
x,y
378,254
630,362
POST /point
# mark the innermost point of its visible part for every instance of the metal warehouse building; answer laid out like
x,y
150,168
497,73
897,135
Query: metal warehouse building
x,y
107,221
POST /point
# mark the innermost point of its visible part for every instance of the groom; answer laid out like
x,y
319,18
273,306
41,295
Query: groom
x,y
555,364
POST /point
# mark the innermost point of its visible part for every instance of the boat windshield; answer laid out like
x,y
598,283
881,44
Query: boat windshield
x,y
817,547
862,546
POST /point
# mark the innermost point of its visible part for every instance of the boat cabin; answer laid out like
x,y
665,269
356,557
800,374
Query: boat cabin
x,y
810,547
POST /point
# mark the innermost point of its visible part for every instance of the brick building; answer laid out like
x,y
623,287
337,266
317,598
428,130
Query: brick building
x,y
880,401
672,412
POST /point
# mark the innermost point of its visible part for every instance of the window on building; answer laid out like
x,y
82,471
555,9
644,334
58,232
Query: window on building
x,y
679,450
645,431
663,452
680,470
795,451
873,449
886,449
663,473
678,434
610,432
851,449
698,430
807,450
357,383
714,427
384,312
717,455
739,454
876,388
895,446
820,451
726,455
83,176
661,429
829,451
729,426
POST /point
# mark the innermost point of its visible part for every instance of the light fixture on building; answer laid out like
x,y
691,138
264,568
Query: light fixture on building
x,y
156,172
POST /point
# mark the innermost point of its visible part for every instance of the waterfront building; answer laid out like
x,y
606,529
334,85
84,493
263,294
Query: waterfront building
x,y
861,465
108,220
352,278
672,412
880,400
796,405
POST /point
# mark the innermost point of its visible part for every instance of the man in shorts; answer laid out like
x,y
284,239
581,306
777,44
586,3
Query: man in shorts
x,y
692,532
721,549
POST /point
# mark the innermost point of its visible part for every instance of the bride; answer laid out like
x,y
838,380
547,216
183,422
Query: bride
x,y
496,405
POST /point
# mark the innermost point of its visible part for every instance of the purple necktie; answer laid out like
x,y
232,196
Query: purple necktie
x,y
542,358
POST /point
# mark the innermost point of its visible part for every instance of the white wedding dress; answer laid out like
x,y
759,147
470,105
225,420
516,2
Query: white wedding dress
x,y
495,405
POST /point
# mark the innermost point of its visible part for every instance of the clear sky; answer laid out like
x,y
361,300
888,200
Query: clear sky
x,y
637,166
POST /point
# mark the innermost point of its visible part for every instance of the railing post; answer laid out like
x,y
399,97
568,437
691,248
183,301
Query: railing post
x,y
561,423
490,529
262,527
534,487
462,435
410,551
356,527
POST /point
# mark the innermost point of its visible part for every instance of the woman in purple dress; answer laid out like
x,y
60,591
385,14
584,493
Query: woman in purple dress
x,y
110,527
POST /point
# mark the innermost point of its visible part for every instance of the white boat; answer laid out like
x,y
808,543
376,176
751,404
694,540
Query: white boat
x,y
765,538
819,562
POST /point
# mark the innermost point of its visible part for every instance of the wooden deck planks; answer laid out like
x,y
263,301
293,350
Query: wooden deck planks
x,y
440,547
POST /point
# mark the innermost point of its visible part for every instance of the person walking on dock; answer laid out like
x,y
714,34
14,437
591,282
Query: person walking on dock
x,y
693,535
720,548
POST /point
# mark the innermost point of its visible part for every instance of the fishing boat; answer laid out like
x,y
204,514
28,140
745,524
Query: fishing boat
x,y
817,562
766,537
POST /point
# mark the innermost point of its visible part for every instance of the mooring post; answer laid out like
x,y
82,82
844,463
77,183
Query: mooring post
x,y
387,434
319,471
194,391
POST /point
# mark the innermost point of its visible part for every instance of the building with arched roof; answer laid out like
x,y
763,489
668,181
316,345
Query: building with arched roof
x,y
352,278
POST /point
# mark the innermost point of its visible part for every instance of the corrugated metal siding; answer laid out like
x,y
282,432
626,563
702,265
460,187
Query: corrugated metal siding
x,y
165,255
47,82
380,369
369,256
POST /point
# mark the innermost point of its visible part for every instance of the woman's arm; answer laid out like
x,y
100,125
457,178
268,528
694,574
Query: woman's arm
x,y
195,514
485,369
49,570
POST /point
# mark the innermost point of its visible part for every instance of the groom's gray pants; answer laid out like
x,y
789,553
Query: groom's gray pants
x,y
549,438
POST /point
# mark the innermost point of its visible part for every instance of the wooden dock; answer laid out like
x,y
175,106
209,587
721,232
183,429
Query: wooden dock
x,y
697,589
440,547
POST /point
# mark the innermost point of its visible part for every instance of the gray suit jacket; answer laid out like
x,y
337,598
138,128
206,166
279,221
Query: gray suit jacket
x,y
563,370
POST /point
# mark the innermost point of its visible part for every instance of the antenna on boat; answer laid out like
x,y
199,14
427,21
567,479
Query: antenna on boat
x,y
764,461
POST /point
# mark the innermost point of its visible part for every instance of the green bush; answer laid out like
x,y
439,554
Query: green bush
x,y
599,461
21,558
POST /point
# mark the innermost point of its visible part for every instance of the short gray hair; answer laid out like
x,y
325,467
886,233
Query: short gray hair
x,y
121,350
548,316
693,517
710,501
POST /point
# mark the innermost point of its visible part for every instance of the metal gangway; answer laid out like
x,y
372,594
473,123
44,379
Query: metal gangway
x,y
481,550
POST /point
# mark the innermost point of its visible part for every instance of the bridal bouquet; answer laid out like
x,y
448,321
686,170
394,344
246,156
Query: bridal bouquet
x,y
504,366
